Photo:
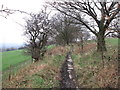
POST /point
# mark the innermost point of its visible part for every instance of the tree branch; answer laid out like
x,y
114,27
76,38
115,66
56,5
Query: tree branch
x,y
108,33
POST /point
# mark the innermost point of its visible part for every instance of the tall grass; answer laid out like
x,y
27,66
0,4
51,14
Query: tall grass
x,y
89,69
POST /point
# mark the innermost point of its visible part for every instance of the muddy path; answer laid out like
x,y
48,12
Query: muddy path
x,y
68,77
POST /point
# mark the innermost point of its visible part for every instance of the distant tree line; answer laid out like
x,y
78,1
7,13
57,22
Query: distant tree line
x,y
8,49
11,49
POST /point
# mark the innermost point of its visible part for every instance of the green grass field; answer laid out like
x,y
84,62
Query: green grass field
x,y
15,57
51,46
112,41
12,58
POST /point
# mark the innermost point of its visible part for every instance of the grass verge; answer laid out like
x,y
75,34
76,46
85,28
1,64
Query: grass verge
x,y
90,71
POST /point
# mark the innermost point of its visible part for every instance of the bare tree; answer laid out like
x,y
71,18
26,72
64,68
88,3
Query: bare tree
x,y
37,29
114,28
64,28
102,13
82,37
5,11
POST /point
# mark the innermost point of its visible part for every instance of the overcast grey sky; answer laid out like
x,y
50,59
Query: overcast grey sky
x,y
10,31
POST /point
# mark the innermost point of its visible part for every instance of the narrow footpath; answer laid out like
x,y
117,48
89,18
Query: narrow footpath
x,y
68,77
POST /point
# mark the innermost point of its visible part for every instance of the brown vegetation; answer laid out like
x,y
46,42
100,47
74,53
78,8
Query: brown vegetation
x,y
58,50
108,76
86,48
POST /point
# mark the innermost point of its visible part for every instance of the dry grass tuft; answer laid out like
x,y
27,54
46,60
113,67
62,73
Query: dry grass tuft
x,y
86,48
58,50
98,77
108,76
19,79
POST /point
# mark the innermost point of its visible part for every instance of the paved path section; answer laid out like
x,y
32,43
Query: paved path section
x,y
68,77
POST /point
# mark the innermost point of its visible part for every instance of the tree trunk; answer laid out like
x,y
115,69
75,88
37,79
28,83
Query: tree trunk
x,y
101,46
82,45
36,59
35,54
67,42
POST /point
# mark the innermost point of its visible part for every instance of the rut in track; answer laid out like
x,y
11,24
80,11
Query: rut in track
x,y
68,77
